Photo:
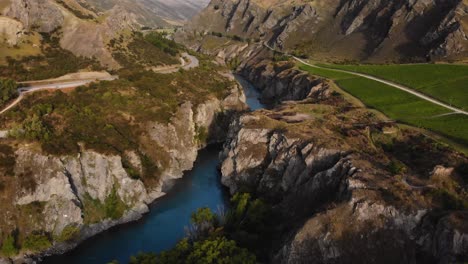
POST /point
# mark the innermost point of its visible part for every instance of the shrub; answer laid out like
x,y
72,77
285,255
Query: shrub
x,y
219,250
70,232
396,167
113,205
202,134
8,246
8,90
37,242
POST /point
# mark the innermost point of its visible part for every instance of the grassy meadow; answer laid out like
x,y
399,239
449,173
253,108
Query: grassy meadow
x,y
399,105
445,82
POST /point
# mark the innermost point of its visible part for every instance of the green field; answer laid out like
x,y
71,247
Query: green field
x,y
445,82
399,105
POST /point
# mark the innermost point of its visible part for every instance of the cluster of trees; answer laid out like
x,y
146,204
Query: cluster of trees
x,y
161,41
222,237
141,51
8,91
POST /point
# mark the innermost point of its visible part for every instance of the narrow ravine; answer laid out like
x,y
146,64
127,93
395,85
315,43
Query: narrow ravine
x,y
164,226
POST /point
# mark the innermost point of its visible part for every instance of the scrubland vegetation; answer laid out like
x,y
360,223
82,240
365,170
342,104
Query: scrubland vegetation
x,y
108,116
138,51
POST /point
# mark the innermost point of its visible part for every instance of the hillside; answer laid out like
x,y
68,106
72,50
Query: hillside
x,y
85,27
374,31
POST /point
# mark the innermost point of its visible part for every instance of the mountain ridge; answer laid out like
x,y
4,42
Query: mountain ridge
x,y
358,30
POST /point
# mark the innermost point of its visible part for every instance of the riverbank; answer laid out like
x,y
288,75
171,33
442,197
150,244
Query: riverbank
x,y
165,223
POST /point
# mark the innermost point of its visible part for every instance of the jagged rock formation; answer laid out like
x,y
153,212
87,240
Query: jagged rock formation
x,y
344,30
282,82
332,184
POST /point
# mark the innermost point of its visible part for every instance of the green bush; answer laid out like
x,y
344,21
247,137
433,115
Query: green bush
x,y
219,250
8,91
9,248
37,242
70,232
202,135
113,205
396,167
32,129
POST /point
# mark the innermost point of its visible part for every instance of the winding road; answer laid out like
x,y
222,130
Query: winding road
x,y
52,86
35,86
193,62
389,83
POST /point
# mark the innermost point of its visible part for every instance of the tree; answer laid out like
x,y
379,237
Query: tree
x,y
203,222
219,251
8,90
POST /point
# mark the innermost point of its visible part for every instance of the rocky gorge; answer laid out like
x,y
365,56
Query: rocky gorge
x,y
335,184
74,197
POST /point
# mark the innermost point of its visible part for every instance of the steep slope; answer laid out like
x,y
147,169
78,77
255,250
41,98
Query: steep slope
x,y
155,12
345,30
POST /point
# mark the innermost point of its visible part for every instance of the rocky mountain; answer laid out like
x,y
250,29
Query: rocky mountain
x,y
375,31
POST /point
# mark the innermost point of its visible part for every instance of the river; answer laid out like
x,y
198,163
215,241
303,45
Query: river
x,y
161,228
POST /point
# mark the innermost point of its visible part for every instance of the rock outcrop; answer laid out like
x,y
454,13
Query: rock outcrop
x,y
280,82
10,31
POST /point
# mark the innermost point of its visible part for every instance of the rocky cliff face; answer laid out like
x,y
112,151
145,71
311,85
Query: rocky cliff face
x,y
70,198
334,185
344,30
282,82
